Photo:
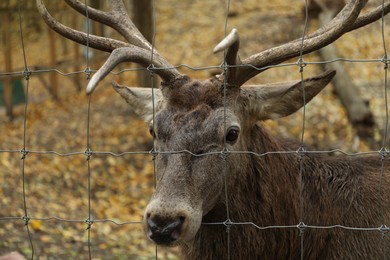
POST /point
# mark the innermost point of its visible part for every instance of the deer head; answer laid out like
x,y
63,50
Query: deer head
x,y
195,123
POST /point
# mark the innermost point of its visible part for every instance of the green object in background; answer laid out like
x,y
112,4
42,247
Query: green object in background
x,y
18,96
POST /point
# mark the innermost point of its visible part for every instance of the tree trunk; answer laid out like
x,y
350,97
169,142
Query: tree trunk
x,y
143,20
77,56
357,108
98,29
8,64
53,63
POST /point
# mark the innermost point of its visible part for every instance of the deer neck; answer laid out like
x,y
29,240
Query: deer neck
x,y
254,188
258,179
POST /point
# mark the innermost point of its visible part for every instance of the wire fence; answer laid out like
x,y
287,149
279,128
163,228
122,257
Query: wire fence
x,y
88,222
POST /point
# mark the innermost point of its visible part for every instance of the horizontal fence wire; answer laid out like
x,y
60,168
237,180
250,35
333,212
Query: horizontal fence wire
x,y
24,152
384,59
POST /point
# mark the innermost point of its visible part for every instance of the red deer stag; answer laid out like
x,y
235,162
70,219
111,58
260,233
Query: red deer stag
x,y
200,127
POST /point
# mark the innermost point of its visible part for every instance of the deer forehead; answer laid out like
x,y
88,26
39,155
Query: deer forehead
x,y
196,107
193,93
202,123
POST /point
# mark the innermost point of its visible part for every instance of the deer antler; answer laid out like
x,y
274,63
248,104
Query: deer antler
x,y
347,20
231,43
137,49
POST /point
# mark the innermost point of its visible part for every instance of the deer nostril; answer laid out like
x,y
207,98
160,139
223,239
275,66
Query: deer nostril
x,y
164,231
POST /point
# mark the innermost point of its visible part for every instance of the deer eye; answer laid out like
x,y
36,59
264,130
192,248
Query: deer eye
x,y
151,130
232,134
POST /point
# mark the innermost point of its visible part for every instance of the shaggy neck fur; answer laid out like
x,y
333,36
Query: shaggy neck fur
x,y
265,190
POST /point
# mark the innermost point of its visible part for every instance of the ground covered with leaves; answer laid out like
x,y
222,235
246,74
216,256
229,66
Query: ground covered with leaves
x,y
62,185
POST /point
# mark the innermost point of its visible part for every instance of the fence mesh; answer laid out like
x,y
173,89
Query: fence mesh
x,y
88,222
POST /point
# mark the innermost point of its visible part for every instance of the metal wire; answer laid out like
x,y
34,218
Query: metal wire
x,y
302,64
89,153
26,217
384,141
383,59
151,73
225,150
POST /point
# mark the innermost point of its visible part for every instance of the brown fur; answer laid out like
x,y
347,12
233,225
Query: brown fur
x,y
190,94
198,122
274,189
336,190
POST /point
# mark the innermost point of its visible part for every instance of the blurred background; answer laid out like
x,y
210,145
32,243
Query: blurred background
x,y
185,32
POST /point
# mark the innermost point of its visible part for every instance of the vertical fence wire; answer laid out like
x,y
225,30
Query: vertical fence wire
x,y
88,151
228,223
152,75
24,151
88,154
225,149
301,150
383,151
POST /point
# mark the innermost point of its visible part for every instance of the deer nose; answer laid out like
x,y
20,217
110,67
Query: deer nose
x,y
164,231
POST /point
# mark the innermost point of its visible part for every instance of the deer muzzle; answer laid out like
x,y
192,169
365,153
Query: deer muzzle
x,y
173,222
164,231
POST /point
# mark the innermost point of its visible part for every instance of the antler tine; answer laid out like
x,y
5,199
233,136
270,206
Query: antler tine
x,y
371,16
231,40
138,50
316,40
231,43
361,21
96,42
117,19
137,55
345,21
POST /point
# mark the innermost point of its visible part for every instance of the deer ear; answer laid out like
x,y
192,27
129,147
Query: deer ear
x,y
140,100
282,99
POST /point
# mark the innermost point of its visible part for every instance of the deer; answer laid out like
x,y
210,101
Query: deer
x,y
213,199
